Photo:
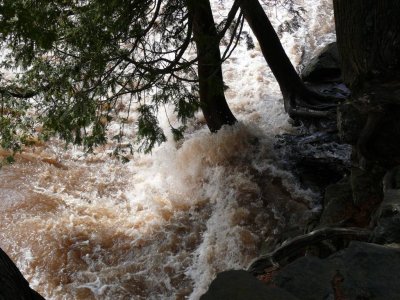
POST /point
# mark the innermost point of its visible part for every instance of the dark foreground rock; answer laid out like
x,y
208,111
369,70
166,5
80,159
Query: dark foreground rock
x,y
316,159
13,285
361,271
325,66
387,217
238,285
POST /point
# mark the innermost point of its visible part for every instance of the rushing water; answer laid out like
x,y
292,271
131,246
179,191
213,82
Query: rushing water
x,y
160,226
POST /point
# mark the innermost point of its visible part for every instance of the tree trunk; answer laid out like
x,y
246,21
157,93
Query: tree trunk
x,y
12,284
368,39
294,92
212,98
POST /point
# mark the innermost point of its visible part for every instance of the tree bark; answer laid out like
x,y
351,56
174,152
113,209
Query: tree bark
x,y
294,92
368,39
271,47
13,285
213,103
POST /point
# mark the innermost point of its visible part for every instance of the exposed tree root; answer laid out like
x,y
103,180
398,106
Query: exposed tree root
x,y
310,104
307,113
280,256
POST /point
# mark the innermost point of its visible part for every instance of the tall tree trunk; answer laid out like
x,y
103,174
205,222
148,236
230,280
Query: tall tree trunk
x,y
292,87
368,38
12,284
212,98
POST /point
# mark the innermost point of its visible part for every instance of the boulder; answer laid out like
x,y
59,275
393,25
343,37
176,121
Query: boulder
x,y
241,285
308,157
13,285
387,217
367,187
324,67
361,271
338,203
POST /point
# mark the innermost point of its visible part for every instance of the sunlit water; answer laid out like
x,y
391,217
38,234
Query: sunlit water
x,y
160,226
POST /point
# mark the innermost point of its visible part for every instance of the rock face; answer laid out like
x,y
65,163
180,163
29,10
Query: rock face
x,y
361,271
238,285
325,66
308,157
338,205
387,217
13,285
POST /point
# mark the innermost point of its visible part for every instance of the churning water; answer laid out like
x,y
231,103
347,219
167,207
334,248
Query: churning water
x,y
160,226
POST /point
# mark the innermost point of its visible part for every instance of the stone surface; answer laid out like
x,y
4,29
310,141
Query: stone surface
x,y
387,217
338,205
362,271
366,186
325,66
387,230
307,278
13,285
240,285
309,157
369,271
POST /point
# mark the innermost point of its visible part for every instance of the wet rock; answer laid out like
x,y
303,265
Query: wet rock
x,y
336,90
325,66
13,285
366,186
338,203
241,285
387,217
362,271
307,278
317,172
351,201
317,160
387,230
391,181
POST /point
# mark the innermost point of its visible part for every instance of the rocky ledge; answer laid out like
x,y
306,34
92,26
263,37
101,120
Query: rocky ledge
x,y
361,271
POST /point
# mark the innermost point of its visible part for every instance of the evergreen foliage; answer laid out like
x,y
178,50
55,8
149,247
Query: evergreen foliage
x,y
78,59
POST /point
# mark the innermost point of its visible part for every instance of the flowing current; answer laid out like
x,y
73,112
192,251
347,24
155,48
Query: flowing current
x,y
162,225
